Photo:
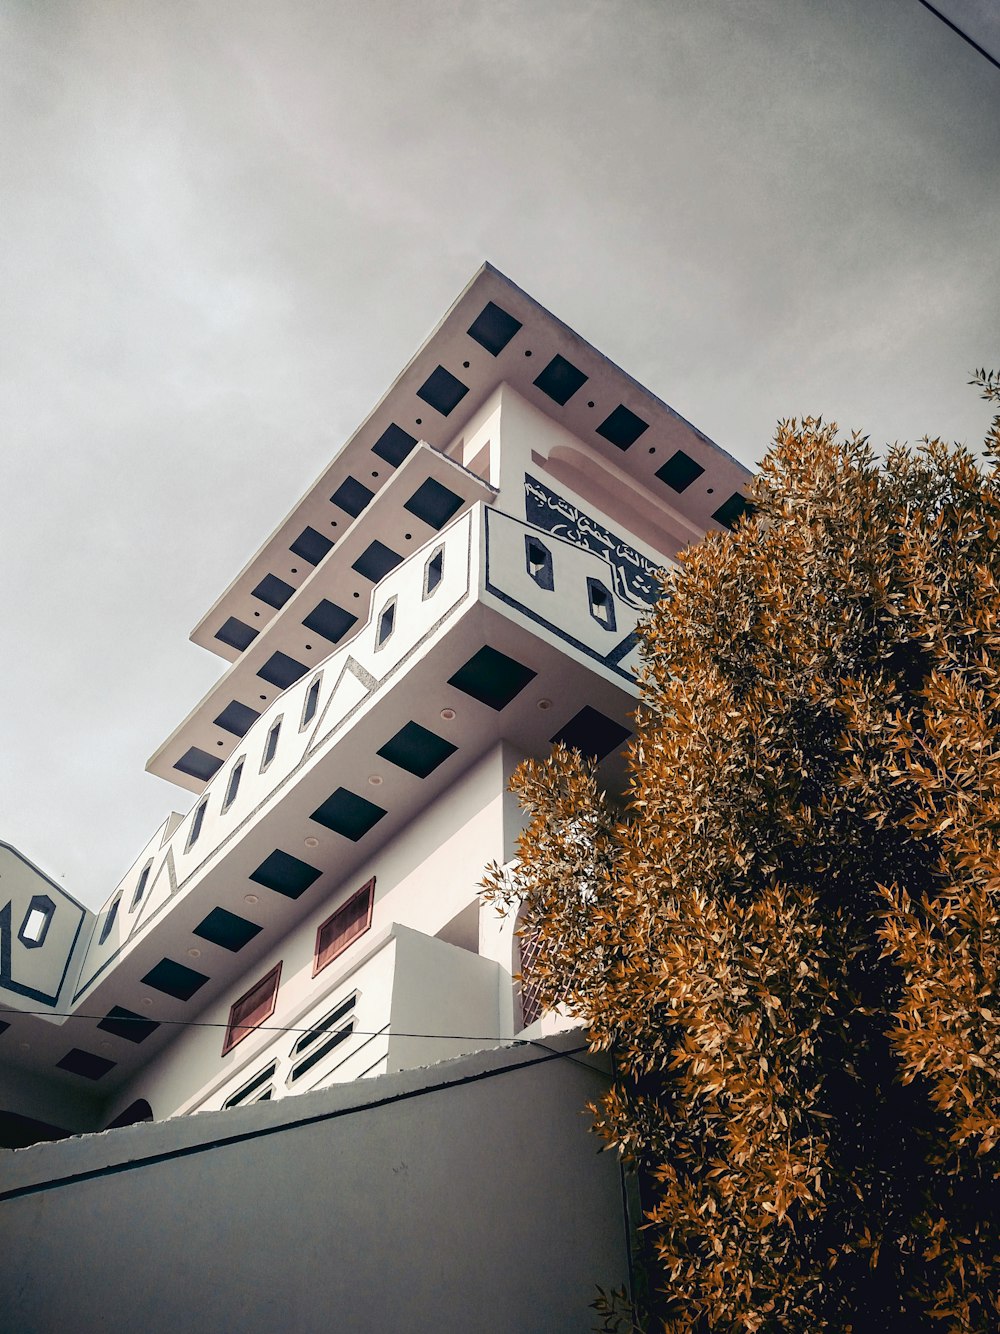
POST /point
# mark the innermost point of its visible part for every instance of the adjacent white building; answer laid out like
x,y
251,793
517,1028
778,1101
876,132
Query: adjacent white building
x,y
459,589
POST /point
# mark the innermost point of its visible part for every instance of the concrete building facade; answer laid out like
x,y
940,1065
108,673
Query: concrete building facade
x,y
459,589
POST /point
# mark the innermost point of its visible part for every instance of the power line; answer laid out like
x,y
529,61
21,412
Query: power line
x,y
964,35
314,1028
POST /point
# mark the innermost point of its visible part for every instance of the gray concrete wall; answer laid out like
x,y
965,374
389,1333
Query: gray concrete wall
x,y
465,1197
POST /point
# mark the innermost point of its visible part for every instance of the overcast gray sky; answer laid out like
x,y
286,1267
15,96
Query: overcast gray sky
x,y
224,228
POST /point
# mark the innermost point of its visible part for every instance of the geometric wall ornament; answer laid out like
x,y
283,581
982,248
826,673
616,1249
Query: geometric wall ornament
x,y
679,471
281,670
85,1063
731,510
285,874
274,591
352,496
417,750
199,764
442,391
127,1024
348,814
330,620
237,718
433,503
592,733
493,328
376,561
175,979
560,380
492,677
237,634
622,427
311,546
227,929
394,444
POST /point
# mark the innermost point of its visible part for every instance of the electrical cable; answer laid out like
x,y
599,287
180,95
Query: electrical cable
x,y
964,35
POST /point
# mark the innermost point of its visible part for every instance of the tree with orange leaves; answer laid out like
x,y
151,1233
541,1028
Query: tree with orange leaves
x,y
789,935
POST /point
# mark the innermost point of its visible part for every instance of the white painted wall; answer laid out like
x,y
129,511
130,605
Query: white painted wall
x,y
467,1197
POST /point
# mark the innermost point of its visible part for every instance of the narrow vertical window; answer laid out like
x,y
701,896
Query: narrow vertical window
x,y
433,572
196,824
270,745
602,604
233,786
109,921
386,623
538,562
312,702
140,887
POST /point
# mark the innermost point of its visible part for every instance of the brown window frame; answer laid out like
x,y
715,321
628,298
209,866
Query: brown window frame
x,y
322,958
237,1029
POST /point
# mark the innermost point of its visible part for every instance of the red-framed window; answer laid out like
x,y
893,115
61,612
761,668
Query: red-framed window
x,y
252,1009
352,919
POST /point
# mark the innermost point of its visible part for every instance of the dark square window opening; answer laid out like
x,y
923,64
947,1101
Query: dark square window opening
x,y
376,561
394,445
274,591
311,546
417,750
285,874
237,634
352,496
348,814
227,929
433,503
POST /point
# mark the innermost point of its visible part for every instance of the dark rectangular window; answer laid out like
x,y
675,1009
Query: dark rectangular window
x,y
324,1049
344,927
325,1024
538,562
254,1090
252,1009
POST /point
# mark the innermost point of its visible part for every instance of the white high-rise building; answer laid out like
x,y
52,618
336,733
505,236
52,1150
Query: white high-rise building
x,y
459,589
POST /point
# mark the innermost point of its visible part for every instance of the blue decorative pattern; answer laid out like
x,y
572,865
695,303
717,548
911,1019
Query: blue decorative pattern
x,y
636,578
